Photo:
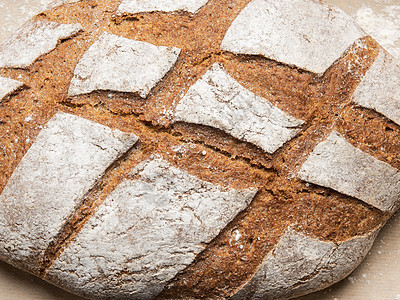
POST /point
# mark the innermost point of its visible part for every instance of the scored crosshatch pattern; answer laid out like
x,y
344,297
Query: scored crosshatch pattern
x,y
318,101
70,152
163,216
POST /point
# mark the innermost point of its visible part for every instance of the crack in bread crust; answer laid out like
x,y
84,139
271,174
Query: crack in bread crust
x,y
89,203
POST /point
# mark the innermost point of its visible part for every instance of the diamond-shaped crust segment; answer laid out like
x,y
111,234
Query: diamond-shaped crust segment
x,y
139,6
219,101
33,40
337,164
380,88
300,264
303,33
8,86
149,229
119,64
66,159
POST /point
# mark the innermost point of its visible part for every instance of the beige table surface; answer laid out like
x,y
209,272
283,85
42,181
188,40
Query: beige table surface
x,y
378,277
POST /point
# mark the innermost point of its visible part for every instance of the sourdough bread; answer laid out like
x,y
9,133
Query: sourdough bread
x,y
195,149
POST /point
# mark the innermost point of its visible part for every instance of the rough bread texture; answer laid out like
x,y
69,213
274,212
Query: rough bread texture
x,y
165,216
217,100
195,149
315,263
70,152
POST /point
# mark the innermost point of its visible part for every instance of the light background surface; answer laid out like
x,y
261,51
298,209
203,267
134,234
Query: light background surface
x,y
378,277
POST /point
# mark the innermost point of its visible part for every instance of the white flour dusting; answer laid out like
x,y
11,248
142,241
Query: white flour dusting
x,y
16,12
383,23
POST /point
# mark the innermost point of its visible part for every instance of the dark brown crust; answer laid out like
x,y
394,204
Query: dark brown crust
x,y
322,102
286,201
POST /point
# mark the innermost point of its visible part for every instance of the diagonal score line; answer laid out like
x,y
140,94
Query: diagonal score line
x,y
286,151
84,211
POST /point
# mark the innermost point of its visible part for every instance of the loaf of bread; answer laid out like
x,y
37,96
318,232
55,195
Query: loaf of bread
x,y
202,149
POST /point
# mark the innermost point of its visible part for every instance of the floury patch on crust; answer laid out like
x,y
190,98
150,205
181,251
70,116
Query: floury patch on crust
x,y
140,6
32,41
380,88
56,3
318,264
123,65
381,21
336,164
311,37
219,101
8,86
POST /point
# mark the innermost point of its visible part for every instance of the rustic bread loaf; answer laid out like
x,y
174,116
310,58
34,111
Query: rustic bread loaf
x,y
203,149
